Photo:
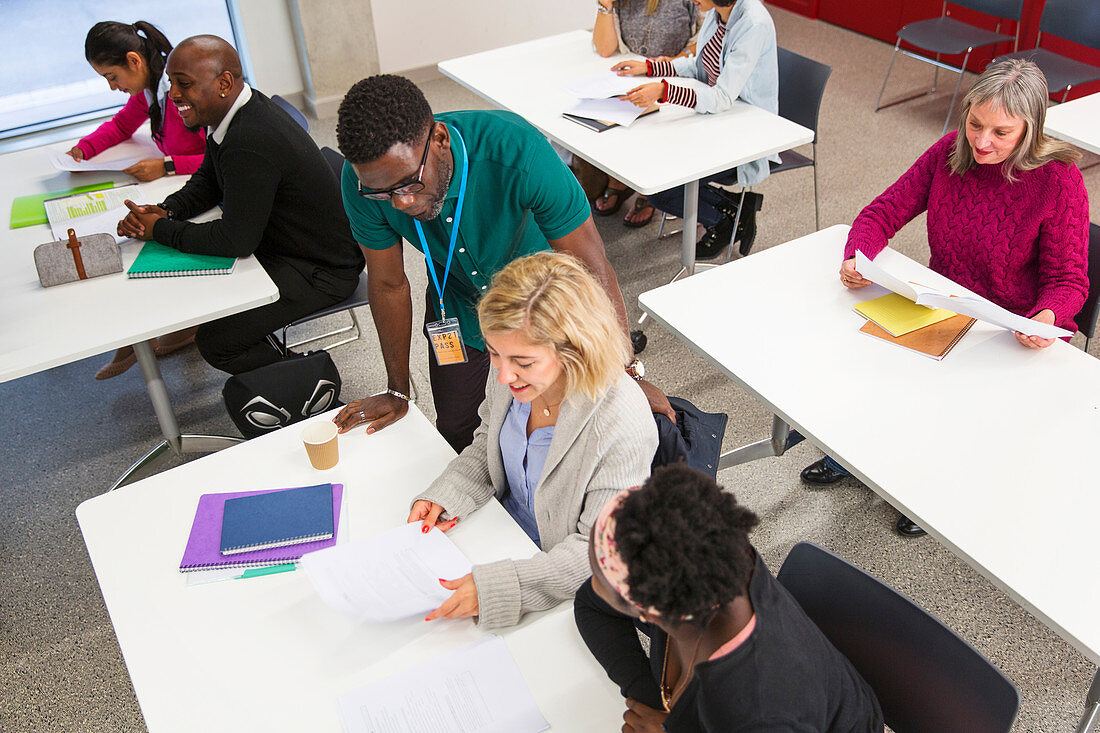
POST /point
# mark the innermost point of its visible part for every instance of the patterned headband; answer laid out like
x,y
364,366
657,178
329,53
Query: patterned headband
x,y
607,551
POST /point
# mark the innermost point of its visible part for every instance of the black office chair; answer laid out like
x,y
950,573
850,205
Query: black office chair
x,y
1086,319
801,87
291,110
1074,20
945,35
357,299
926,677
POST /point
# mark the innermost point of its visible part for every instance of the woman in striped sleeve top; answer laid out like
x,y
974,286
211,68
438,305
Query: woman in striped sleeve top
x,y
736,59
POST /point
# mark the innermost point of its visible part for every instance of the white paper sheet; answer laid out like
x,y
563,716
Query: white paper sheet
x,y
602,85
965,304
388,576
616,110
475,689
64,162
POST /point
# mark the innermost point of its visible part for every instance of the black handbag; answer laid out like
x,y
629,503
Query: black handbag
x,y
283,393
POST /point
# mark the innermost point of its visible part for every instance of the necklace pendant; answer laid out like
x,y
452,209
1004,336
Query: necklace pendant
x,y
546,411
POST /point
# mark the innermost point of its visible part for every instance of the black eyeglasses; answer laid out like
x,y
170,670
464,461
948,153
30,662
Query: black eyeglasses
x,y
405,188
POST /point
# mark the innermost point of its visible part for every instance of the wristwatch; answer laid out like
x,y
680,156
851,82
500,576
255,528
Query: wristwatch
x,y
636,370
169,165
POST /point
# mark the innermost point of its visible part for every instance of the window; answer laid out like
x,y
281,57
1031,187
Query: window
x,y
47,83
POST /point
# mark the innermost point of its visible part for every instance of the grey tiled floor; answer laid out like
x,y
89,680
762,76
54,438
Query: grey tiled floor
x,y
66,437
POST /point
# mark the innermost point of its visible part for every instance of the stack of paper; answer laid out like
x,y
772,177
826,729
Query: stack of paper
x,y
962,303
388,576
600,100
95,212
475,689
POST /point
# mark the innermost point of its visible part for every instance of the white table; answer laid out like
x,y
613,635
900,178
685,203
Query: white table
x,y
988,449
46,327
266,653
673,147
1076,122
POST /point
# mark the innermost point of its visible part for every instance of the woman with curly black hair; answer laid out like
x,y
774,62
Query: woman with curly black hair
x,y
730,648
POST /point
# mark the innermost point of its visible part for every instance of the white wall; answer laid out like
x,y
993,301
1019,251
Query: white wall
x,y
271,46
415,34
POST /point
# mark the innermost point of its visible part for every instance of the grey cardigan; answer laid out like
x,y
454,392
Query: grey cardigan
x,y
599,448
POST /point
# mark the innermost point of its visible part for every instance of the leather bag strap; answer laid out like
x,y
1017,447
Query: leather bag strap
x,y
74,246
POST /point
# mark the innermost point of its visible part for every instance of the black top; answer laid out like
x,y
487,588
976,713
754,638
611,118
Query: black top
x,y
279,198
785,677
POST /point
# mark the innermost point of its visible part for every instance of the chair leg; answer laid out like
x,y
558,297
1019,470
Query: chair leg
x,y
955,96
889,68
736,221
817,206
671,232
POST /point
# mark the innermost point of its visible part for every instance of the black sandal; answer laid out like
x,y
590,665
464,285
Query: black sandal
x,y
620,194
639,203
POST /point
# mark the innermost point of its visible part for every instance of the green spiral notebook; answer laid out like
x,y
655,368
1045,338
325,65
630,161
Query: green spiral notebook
x,y
157,260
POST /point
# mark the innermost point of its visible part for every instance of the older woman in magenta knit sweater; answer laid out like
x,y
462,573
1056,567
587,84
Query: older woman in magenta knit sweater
x,y
1008,214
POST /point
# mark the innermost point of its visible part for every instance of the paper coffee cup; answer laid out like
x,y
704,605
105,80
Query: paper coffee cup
x,y
321,444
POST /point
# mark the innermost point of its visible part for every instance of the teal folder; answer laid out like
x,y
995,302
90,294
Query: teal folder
x,y
157,260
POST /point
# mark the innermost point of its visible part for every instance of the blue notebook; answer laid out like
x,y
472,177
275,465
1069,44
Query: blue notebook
x,y
277,519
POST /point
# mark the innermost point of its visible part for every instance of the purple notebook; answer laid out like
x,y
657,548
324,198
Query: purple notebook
x,y
203,550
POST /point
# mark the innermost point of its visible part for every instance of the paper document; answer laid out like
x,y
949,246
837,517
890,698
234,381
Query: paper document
x,y
387,576
475,689
602,85
616,110
95,212
64,162
971,305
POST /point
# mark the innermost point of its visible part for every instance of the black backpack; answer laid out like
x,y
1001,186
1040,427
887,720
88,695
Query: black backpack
x,y
282,393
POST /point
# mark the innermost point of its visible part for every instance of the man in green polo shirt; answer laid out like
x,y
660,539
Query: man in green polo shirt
x,y
477,189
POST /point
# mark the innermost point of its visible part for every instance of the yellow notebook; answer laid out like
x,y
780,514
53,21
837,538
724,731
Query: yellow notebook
x,y
898,315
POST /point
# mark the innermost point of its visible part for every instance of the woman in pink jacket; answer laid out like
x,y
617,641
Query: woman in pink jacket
x,y
131,57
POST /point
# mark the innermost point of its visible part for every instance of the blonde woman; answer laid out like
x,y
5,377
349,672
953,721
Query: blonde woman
x,y
563,429
1007,213
658,28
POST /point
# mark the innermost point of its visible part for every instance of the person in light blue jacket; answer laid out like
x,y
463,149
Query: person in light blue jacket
x,y
736,60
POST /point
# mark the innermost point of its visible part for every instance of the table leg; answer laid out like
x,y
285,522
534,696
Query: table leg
x,y
174,443
1092,706
691,218
687,241
782,438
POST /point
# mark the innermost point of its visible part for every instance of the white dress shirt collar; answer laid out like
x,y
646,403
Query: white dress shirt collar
x,y
218,133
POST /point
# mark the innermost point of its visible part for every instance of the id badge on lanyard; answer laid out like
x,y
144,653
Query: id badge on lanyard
x,y
445,335
446,340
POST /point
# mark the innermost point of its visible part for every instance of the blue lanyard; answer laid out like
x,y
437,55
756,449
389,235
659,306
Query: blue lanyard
x,y
454,230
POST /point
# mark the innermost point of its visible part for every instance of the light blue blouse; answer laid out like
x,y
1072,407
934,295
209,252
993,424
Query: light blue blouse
x,y
748,70
523,459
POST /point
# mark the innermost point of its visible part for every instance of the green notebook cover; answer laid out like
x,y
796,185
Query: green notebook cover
x,y
157,260
30,210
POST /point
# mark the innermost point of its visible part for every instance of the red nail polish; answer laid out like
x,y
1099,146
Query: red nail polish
x,y
427,618
442,580
425,529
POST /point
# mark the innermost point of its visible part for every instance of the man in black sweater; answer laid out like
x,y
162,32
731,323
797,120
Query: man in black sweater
x,y
280,201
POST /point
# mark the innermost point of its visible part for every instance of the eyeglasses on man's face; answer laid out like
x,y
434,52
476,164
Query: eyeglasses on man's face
x,y
405,189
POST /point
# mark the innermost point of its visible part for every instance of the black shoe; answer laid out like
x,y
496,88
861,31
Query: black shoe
x,y
729,203
746,226
820,472
908,528
715,239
